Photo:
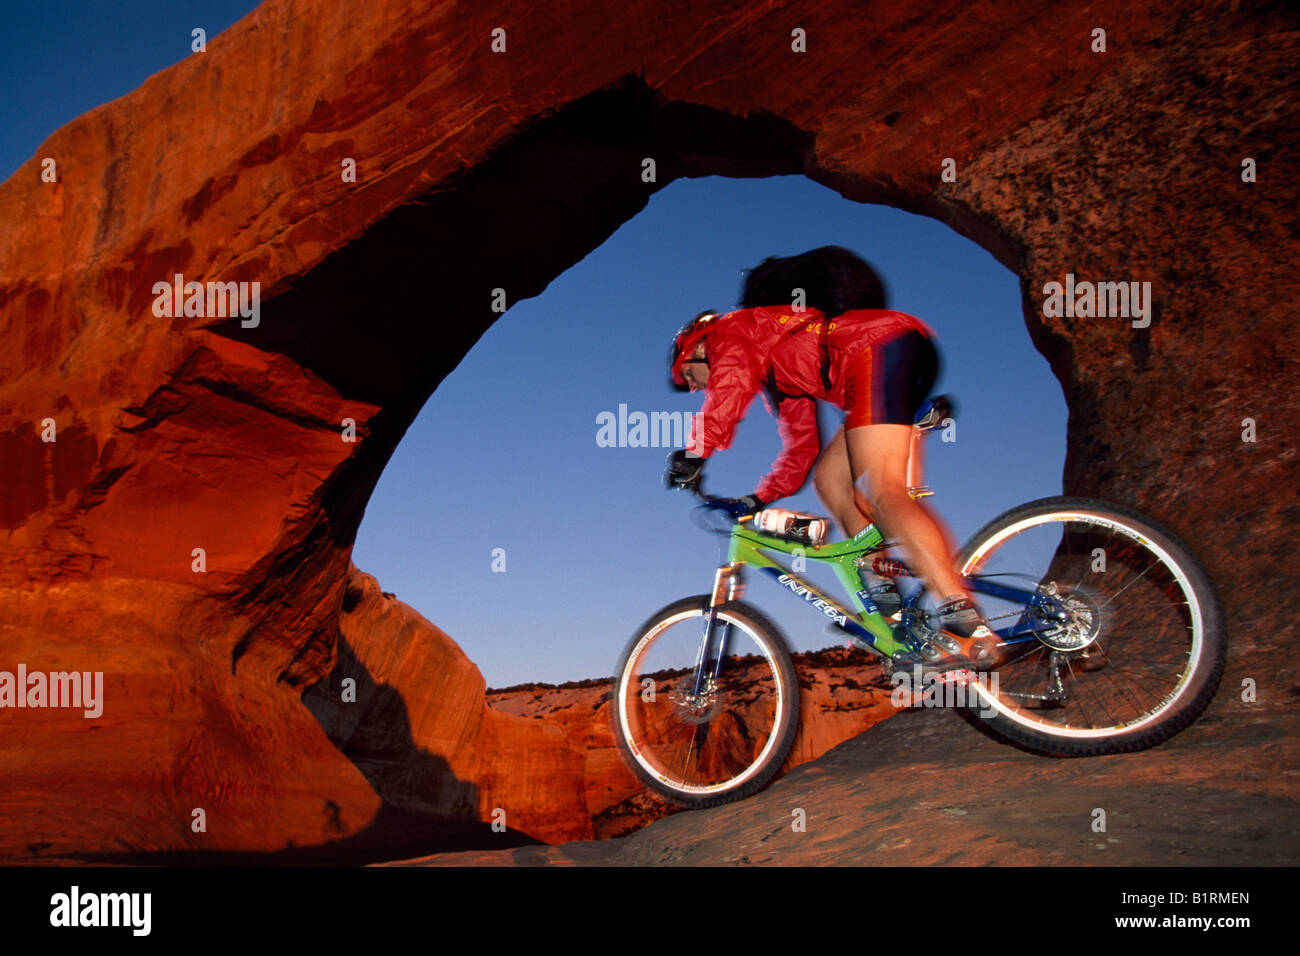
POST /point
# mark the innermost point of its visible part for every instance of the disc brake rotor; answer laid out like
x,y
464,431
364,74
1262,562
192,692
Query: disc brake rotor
x,y
1081,626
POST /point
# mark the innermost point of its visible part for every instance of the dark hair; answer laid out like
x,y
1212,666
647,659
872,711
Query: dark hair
x,y
834,280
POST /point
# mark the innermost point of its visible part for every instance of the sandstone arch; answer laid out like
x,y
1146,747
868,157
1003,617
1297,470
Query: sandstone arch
x,y
191,432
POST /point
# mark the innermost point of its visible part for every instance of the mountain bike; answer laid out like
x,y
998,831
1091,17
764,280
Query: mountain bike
x,y
1109,640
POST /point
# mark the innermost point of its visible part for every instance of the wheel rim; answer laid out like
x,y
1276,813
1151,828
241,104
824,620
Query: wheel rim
x,y
710,743
1130,645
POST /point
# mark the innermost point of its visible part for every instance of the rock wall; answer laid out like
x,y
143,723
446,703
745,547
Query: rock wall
x,y
842,692
193,431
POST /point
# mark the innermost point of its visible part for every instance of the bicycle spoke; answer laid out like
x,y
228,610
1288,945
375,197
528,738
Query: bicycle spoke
x,y
1130,609
1130,584
1111,677
692,742
686,758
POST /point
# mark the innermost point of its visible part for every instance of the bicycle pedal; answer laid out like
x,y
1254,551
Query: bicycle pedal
x,y
930,652
947,643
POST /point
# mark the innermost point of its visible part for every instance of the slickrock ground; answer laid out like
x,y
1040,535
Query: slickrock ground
x,y
926,788
192,431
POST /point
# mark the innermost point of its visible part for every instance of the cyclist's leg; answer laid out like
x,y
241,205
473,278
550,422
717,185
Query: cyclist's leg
x,y
886,386
833,481
878,455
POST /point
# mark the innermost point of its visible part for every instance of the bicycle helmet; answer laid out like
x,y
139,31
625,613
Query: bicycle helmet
x,y
690,335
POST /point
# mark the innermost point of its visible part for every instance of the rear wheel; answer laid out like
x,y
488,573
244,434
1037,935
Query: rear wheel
x,y
1132,652
703,727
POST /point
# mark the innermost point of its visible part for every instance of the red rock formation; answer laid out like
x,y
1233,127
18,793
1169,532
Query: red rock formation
x,y
196,432
841,694
422,736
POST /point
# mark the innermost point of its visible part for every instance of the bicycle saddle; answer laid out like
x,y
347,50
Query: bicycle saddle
x,y
934,410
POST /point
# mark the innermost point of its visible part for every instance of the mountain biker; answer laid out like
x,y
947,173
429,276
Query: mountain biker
x,y
815,327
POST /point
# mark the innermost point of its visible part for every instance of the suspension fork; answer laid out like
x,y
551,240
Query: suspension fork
x,y
728,585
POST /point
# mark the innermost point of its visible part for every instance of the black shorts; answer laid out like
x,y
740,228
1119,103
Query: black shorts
x,y
887,383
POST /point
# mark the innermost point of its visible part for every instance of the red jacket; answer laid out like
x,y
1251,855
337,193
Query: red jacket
x,y
777,349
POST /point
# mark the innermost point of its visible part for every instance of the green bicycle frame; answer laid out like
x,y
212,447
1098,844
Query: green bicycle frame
x,y
748,547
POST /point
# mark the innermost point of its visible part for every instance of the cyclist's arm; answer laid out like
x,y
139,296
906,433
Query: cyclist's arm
x,y
733,380
800,445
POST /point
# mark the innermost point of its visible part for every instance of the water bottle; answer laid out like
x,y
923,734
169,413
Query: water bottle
x,y
792,525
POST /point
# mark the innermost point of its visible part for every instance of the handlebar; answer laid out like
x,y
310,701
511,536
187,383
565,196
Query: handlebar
x,y
729,506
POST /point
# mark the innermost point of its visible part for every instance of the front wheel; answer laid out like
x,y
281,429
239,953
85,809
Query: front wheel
x,y
1123,646
705,715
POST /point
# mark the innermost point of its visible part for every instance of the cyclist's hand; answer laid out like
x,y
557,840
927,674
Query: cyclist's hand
x,y
683,470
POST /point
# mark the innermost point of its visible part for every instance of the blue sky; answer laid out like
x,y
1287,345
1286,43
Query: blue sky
x,y
593,541
504,455
62,58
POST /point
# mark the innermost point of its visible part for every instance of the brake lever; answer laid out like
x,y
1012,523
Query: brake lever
x,y
731,507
